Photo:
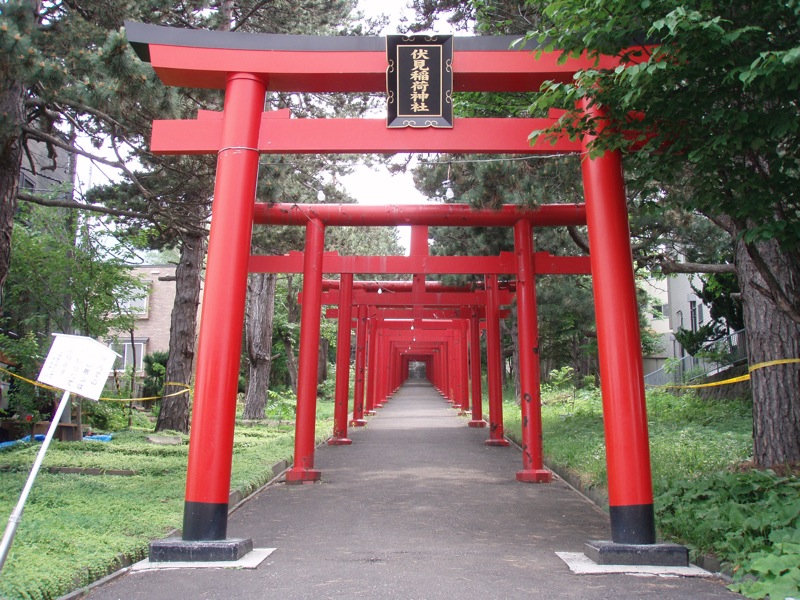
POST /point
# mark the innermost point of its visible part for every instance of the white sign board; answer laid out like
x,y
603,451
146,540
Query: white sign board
x,y
78,364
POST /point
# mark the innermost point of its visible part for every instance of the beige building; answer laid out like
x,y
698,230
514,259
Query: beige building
x,y
154,311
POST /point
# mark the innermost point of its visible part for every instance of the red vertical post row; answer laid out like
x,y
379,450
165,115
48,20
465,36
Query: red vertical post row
x,y
342,393
385,365
630,493
361,361
438,370
305,420
447,371
455,364
372,362
533,470
493,358
475,369
463,360
208,478
381,364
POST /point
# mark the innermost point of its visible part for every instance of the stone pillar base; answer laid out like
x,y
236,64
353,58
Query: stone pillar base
x,y
177,550
662,555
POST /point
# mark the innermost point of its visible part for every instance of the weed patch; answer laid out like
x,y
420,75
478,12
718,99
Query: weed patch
x,y
706,496
77,528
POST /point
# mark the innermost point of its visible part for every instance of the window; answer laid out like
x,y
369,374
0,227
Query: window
x,y
139,306
26,183
126,350
693,314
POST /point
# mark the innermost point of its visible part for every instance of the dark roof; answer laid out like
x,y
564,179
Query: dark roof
x,y
141,36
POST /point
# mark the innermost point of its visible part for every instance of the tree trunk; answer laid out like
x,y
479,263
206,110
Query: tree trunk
x,y
258,332
322,360
12,109
292,316
771,335
291,363
174,412
12,95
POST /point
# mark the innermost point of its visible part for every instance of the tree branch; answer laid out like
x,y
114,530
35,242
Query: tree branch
x,y
50,139
669,267
578,238
72,204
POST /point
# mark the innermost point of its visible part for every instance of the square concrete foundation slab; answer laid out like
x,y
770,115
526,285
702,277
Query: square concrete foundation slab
x,y
610,553
178,550
251,560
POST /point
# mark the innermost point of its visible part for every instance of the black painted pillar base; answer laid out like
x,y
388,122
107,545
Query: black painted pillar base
x,y
661,555
178,550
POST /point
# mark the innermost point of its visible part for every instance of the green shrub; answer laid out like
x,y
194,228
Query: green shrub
x,y
750,519
155,371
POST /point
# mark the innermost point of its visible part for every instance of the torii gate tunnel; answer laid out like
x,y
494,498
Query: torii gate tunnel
x,y
247,66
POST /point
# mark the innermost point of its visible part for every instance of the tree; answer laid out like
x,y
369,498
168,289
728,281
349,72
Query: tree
x,y
70,64
67,279
709,120
67,73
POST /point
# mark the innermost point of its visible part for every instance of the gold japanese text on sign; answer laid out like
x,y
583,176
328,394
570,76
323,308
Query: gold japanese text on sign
x,y
419,81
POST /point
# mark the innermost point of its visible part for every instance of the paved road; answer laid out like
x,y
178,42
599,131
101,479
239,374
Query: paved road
x,y
416,508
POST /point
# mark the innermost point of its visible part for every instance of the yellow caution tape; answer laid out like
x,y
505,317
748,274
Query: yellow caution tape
x,y
188,388
50,387
740,378
772,363
26,380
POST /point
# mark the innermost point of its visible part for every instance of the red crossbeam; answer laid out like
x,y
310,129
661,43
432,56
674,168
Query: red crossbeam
x,y
356,136
504,264
453,215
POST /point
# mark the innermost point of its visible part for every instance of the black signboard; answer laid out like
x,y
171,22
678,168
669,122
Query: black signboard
x,y
419,80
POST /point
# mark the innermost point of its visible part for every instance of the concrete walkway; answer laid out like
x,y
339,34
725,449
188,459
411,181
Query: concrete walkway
x,y
416,508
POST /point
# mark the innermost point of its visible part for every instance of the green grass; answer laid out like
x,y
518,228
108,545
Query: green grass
x,y
707,496
688,436
76,528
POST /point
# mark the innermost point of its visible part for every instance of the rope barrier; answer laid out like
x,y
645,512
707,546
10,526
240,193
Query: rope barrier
x,y
49,387
739,379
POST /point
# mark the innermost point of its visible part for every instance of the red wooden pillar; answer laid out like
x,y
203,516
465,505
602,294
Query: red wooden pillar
x,y
447,371
475,370
361,360
305,420
463,360
372,362
342,394
382,362
388,350
208,478
630,492
454,349
533,470
438,370
493,358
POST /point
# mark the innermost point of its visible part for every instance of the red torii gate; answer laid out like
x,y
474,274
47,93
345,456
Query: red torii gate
x,y
246,66
419,263
470,301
